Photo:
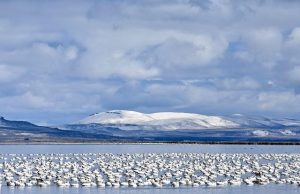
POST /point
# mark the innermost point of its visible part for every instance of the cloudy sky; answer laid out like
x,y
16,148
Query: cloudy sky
x,y
63,60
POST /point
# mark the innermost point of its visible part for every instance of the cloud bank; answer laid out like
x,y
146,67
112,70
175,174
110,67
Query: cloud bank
x,y
61,60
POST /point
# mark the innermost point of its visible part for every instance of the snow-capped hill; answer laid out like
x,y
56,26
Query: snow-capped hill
x,y
161,120
191,120
116,117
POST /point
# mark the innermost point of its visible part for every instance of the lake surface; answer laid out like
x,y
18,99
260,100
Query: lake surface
x,y
146,148
152,148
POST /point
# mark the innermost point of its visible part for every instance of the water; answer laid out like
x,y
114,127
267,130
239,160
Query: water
x,y
152,148
147,148
266,189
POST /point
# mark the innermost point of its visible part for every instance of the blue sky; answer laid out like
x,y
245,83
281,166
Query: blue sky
x,y
63,60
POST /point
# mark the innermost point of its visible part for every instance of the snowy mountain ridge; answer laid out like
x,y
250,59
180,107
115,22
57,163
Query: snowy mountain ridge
x,y
160,120
130,126
132,120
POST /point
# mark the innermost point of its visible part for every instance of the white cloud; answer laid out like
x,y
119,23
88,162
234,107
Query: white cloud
x,y
294,37
265,44
185,51
279,101
244,83
26,101
9,73
294,74
292,47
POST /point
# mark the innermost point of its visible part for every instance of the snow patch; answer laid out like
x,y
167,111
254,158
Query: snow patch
x,y
288,132
260,133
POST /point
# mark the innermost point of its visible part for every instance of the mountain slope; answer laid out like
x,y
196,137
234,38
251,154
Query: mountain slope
x,y
188,126
130,126
262,122
161,120
23,131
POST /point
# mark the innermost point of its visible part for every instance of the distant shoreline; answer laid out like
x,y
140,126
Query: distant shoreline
x,y
148,143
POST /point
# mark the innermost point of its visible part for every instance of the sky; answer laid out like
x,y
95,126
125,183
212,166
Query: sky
x,y
61,61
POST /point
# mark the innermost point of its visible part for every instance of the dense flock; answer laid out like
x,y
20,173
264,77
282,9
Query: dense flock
x,y
148,170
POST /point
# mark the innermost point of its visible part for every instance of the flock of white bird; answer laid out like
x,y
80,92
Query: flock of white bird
x,y
150,169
